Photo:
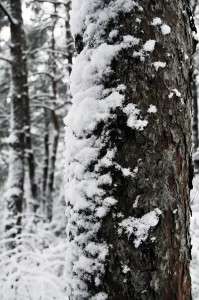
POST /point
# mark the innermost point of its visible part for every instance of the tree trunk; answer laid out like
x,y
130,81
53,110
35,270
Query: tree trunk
x,y
46,157
69,38
15,185
55,133
28,138
128,151
195,117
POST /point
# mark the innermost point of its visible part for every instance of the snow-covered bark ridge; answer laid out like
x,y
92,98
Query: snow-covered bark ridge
x,y
114,153
89,157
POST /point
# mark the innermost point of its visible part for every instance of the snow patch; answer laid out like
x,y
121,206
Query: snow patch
x,y
159,64
152,109
125,269
133,112
149,46
174,92
140,227
165,29
156,21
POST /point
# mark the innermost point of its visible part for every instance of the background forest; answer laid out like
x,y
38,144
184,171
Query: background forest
x,y
33,268
32,261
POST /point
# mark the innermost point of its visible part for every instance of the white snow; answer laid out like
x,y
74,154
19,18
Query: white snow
x,y
186,56
159,64
156,21
113,33
140,227
176,92
133,112
149,46
152,109
165,29
100,296
135,204
125,269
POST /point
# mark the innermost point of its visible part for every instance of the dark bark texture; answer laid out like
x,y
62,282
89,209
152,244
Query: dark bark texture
x,y
15,187
69,38
16,166
195,117
159,267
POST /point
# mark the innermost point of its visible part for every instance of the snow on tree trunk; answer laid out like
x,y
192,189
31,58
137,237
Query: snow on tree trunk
x,y
69,38
28,138
15,183
128,142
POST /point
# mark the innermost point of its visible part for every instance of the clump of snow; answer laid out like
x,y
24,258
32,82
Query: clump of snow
x,y
135,204
156,21
140,227
100,296
159,64
165,29
152,109
186,56
133,112
149,46
12,139
125,269
113,33
83,12
174,92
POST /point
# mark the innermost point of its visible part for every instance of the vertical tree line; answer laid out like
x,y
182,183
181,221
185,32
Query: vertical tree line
x,y
40,99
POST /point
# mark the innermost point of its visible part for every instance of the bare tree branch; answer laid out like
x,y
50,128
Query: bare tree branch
x,y
12,20
53,1
41,73
6,59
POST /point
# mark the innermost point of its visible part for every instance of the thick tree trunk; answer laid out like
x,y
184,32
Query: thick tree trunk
x,y
195,117
15,187
128,152
195,135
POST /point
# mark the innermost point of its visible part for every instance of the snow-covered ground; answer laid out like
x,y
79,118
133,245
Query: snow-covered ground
x,y
195,238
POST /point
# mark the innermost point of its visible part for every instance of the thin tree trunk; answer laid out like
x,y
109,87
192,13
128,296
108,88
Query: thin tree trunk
x,y
55,134
28,138
69,39
46,156
128,152
15,187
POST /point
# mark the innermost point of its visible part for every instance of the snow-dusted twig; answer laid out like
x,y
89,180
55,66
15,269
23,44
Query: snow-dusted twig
x,y
12,20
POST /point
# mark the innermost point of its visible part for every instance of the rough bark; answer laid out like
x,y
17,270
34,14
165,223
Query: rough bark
x,y
195,117
157,268
15,187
